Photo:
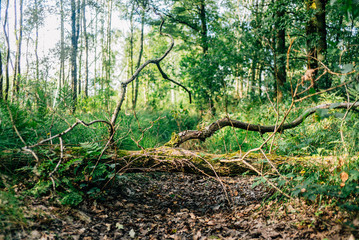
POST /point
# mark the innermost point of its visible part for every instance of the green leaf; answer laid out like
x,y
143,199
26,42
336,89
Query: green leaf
x,y
347,68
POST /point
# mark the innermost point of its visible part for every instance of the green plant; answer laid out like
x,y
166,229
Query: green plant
x,y
11,212
317,182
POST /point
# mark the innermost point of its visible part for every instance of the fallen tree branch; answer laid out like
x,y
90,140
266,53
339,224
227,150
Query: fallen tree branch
x,y
178,139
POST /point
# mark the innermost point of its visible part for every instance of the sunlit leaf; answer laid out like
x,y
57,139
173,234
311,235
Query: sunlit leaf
x,y
344,176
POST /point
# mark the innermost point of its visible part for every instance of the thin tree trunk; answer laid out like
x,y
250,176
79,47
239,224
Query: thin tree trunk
x,y
74,41
260,80
79,30
103,55
1,69
86,48
131,53
134,102
1,77
62,53
80,43
6,29
280,68
95,45
79,80
108,53
253,76
61,80
17,69
37,43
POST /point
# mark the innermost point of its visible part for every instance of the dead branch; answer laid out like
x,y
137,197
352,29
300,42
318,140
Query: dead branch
x,y
68,130
155,61
208,131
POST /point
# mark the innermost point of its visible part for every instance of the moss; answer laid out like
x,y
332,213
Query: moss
x,y
122,153
174,140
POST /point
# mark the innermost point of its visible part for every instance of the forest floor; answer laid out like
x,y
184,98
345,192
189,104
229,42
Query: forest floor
x,y
184,206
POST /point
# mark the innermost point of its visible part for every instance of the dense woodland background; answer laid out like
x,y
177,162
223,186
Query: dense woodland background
x,y
257,61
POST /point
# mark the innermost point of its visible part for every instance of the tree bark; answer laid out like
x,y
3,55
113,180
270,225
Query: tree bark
x,y
86,48
310,30
178,139
317,38
280,61
74,41
204,30
135,97
17,75
108,52
6,33
325,81
1,68
37,42
1,77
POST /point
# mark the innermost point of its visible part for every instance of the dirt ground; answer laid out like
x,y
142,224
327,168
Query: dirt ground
x,y
185,206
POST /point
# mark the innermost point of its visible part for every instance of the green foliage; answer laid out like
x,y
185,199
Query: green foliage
x,y
322,184
72,198
75,178
11,213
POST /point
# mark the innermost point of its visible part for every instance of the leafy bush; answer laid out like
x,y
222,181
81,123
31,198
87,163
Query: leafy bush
x,y
317,182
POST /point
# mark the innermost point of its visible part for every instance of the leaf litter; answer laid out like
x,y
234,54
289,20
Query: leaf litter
x,y
185,206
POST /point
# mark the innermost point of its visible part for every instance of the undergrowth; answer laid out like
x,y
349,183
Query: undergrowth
x,y
81,175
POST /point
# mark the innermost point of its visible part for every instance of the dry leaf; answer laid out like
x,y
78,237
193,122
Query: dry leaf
x,y
303,190
119,226
344,176
351,237
132,233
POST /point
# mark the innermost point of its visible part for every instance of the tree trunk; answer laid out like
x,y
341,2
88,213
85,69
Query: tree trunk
x,y
95,46
6,33
86,48
74,41
61,80
131,54
311,29
325,81
253,76
17,69
204,30
1,68
80,52
108,53
134,101
280,68
260,80
37,43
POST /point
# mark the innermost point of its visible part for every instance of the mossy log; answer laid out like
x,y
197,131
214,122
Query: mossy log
x,y
181,160
169,159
